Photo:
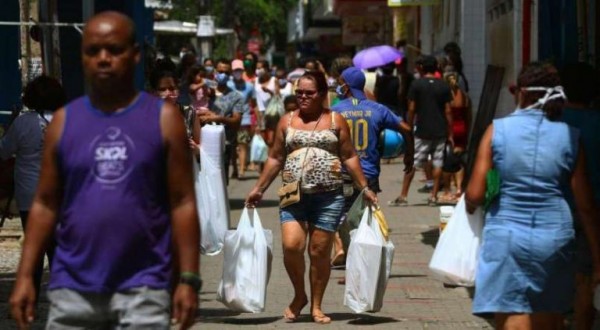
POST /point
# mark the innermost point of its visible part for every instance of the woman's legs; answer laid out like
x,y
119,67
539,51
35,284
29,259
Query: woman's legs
x,y
242,158
534,321
584,301
319,250
293,236
512,321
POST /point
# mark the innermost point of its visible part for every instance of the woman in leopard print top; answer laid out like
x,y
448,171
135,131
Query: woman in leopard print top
x,y
311,145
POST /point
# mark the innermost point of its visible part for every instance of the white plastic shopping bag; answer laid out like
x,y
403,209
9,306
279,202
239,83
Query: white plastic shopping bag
x,y
246,266
368,266
455,257
211,193
258,149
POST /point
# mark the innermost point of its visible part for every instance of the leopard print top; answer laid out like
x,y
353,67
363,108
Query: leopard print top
x,y
322,168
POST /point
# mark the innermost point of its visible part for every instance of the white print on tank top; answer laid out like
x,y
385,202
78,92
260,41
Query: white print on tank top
x,y
111,156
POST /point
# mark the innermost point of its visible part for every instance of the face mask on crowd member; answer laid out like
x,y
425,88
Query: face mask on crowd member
x,y
209,68
339,90
222,78
260,72
282,82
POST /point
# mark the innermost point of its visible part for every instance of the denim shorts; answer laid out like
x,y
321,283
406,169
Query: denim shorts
x,y
321,210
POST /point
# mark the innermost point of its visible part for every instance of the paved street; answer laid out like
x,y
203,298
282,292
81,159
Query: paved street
x,y
413,300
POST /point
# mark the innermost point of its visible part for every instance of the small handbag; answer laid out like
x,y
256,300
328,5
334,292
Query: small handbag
x,y
289,193
452,161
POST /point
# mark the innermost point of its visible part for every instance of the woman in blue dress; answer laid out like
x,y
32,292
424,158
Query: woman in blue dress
x,y
526,270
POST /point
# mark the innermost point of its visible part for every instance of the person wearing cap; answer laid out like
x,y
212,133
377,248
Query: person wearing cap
x,y
429,100
227,109
367,119
526,268
244,134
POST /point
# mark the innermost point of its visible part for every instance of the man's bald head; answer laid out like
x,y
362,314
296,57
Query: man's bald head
x,y
111,20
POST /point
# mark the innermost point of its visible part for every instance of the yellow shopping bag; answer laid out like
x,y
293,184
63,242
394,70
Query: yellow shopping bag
x,y
383,226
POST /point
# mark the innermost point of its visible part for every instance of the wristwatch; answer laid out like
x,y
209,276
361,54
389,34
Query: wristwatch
x,y
191,279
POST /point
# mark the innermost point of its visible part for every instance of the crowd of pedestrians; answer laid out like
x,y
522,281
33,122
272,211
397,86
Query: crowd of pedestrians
x,y
540,254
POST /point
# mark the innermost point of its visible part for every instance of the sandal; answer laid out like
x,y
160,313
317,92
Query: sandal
x,y
400,201
448,199
432,201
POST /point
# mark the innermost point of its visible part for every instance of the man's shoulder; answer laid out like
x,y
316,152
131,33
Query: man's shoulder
x,y
342,105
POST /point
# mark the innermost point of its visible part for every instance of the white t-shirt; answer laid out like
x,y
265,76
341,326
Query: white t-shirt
x,y
262,97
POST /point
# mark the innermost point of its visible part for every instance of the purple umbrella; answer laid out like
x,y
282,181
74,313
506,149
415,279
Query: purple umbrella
x,y
376,56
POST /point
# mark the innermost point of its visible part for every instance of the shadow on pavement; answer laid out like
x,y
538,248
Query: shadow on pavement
x,y
354,319
430,237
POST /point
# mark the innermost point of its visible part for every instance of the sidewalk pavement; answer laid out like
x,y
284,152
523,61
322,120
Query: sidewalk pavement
x,y
413,299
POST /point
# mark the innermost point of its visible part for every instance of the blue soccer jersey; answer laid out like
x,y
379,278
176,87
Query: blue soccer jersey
x,y
367,119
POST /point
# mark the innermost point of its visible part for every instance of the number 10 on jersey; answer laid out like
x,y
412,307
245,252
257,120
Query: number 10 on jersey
x,y
359,131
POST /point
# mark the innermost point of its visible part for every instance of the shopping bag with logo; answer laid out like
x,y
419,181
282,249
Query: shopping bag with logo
x,y
247,260
368,266
258,149
455,257
211,193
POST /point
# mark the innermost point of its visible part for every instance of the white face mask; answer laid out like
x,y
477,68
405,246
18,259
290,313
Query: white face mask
x,y
552,93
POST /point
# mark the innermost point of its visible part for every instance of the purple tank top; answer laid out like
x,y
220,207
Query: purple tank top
x,y
113,229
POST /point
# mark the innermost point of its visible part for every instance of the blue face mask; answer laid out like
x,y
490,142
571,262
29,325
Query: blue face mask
x,y
209,68
222,78
340,91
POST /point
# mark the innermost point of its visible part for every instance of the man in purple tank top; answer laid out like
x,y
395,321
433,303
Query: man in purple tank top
x,y
116,190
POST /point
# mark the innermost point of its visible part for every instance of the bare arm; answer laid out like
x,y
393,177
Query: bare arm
x,y
410,117
181,190
409,141
588,212
207,116
448,114
475,194
41,223
184,215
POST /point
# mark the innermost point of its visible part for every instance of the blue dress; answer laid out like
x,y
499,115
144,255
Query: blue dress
x,y
526,262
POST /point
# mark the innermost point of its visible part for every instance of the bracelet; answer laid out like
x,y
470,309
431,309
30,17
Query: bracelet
x,y
191,279
365,189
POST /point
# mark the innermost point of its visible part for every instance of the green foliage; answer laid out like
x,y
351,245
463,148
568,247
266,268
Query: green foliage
x,y
184,10
269,16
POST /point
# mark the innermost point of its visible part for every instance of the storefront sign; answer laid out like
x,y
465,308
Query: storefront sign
x,y
362,30
206,26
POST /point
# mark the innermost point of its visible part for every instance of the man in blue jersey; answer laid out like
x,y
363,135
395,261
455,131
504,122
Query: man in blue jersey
x,y
367,119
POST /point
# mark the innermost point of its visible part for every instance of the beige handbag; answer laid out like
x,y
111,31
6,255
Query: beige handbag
x,y
289,194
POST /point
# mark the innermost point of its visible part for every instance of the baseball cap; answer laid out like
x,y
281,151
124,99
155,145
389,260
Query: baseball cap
x,y
237,65
355,79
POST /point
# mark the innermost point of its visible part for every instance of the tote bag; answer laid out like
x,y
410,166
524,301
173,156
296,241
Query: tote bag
x,y
455,257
